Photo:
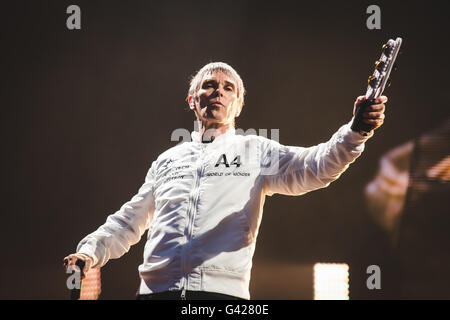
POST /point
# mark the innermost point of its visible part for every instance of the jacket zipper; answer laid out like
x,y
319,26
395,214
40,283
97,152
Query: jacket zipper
x,y
191,215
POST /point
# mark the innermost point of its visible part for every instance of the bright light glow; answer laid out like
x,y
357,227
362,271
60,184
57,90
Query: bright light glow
x,y
91,286
331,281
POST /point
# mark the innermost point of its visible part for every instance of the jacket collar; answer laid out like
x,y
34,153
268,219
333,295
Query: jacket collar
x,y
195,135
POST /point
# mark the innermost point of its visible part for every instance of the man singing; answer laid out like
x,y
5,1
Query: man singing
x,y
203,200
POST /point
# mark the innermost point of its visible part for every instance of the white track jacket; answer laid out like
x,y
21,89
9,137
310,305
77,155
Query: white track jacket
x,y
203,204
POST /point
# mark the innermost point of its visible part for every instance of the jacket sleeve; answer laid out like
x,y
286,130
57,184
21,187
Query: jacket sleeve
x,y
123,228
297,170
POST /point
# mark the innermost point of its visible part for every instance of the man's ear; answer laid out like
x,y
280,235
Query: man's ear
x,y
191,103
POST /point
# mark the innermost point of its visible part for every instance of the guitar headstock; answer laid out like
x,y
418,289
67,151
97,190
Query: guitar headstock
x,y
383,67
377,82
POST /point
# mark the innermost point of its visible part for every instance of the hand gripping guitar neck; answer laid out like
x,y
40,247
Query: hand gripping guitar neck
x,y
377,82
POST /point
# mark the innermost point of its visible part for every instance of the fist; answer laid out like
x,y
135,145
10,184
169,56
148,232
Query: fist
x,y
71,259
374,114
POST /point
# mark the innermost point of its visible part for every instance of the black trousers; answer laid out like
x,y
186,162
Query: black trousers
x,y
190,295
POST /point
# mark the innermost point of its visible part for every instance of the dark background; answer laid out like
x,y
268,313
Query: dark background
x,y
85,112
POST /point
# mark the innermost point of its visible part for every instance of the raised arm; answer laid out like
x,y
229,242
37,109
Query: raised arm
x,y
298,170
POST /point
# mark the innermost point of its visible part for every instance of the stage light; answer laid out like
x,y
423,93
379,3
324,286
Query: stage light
x,y
331,281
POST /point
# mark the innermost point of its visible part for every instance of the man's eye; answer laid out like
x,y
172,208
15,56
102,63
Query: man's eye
x,y
229,88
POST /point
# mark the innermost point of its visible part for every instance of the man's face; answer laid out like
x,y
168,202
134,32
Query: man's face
x,y
217,99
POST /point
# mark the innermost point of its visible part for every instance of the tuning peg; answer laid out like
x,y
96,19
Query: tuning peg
x,y
395,67
386,49
372,81
379,65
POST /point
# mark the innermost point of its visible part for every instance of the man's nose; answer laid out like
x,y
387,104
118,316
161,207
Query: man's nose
x,y
219,91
